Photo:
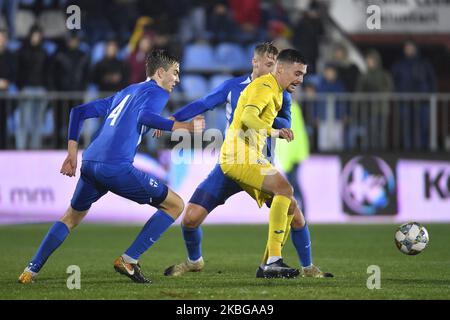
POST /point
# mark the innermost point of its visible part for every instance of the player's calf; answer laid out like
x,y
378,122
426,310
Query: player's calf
x,y
298,221
73,218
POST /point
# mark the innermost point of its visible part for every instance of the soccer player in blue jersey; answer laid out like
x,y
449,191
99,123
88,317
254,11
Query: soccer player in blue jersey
x,y
217,188
108,164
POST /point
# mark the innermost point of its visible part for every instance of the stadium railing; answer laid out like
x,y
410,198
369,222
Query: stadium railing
x,y
335,122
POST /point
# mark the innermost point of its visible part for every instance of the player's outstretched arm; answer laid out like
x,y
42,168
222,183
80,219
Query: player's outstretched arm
x,y
69,165
215,98
153,120
197,125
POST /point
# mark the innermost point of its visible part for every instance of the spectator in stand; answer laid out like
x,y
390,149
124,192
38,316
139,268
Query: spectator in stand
x,y
220,23
275,11
309,105
32,79
70,72
136,61
347,71
166,14
307,34
7,78
331,121
376,80
94,19
164,40
247,15
143,26
193,23
279,33
9,9
7,63
414,74
70,66
122,15
110,74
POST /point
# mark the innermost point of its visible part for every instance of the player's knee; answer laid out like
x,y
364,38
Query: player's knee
x,y
173,205
190,221
194,215
285,189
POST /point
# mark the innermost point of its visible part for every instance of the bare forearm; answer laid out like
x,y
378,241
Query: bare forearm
x,y
72,147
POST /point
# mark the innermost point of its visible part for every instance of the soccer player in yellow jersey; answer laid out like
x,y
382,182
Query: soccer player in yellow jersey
x,y
242,158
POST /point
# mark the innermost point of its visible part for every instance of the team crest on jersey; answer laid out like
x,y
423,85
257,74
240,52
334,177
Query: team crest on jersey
x,y
153,183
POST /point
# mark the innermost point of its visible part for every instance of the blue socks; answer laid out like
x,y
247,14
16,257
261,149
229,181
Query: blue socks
x,y
149,234
193,240
302,243
54,238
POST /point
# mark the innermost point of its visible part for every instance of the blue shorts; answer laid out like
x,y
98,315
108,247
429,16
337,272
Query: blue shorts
x,y
98,178
214,190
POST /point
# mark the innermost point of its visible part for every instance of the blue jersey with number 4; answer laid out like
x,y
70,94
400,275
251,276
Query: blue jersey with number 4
x,y
123,127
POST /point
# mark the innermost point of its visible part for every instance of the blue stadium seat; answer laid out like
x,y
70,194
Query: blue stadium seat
x,y
249,51
194,86
230,56
85,47
48,127
98,52
198,57
217,80
14,45
123,53
50,47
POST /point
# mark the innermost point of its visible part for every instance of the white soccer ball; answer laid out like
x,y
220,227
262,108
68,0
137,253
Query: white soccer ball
x,y
411,238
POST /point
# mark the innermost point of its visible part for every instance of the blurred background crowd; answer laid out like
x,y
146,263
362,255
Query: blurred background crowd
x,y
358,95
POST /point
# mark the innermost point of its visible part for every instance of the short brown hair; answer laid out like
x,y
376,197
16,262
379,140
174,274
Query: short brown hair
x,y
159,59
266,47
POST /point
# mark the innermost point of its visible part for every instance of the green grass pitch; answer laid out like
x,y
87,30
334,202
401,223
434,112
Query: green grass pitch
x,y
232,254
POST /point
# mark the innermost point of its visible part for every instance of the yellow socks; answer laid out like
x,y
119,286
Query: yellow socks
x,y
290,217
278,218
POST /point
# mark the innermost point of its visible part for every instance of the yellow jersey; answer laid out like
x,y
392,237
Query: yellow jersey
x,y
244,146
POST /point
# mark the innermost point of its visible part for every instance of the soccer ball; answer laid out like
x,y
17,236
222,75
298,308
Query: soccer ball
x,y
411,238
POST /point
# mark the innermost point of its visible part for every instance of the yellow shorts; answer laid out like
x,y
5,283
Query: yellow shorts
x,y
250,177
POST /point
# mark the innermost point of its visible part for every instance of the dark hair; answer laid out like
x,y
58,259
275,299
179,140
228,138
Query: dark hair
x,y
159,59
291,56
266,47
34,28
